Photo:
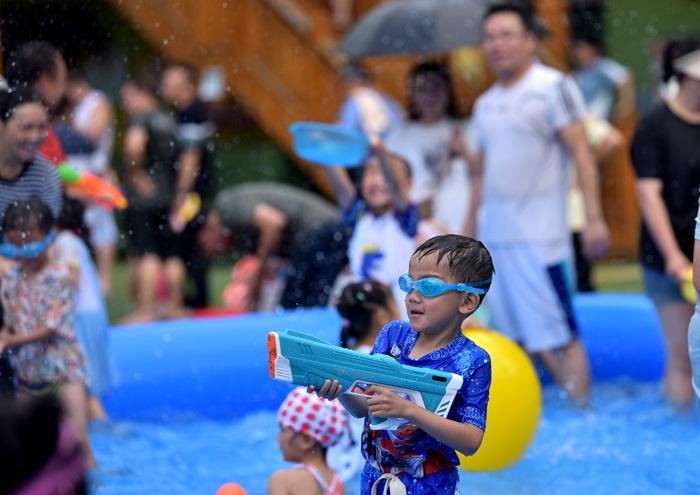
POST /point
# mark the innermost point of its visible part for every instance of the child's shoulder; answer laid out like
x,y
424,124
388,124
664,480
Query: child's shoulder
x,y
472,356
293,480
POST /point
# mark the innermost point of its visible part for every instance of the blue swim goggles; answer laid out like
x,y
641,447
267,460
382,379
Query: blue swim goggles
x,y
433,287
28,251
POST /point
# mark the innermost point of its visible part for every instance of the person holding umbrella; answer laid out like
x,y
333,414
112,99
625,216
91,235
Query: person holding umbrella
x,y
527,129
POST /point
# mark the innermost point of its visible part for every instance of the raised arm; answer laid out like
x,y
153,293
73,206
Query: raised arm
x,y
343,186
396,182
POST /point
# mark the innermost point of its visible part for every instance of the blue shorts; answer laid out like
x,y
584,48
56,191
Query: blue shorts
x,y
661,288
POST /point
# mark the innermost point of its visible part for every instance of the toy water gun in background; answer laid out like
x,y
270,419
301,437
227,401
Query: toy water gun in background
x,y
189,209
687,287
303,359
93,186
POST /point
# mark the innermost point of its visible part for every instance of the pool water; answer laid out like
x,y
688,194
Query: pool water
x,y
627,442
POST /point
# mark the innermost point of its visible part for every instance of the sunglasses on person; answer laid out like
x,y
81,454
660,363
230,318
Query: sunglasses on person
x,y
433,287
28,251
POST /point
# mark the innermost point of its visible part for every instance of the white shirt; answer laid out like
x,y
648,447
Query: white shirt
x,y
426,148
98,161
526,165
380,249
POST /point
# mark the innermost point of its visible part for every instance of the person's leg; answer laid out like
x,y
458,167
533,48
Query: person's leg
x,y
105,257
175,273
147,271
675,318
544,312
674,314
73,398
569,368
96,411
104,235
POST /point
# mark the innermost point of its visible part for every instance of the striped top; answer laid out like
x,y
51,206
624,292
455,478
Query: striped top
x,y
39,180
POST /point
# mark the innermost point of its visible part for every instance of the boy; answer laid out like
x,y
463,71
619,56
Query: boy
x,y
383,222
448,278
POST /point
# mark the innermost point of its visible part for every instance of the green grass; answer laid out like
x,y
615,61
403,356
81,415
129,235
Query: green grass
x,y
612,276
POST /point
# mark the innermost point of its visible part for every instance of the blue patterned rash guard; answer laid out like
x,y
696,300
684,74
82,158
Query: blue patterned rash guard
x,y
424,464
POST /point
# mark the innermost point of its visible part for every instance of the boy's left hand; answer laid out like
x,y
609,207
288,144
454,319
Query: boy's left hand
x,y
383,403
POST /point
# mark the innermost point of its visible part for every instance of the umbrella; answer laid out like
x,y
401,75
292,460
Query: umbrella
x,y
415,26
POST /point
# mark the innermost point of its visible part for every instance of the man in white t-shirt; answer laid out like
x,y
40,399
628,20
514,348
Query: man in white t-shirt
x,y
527,129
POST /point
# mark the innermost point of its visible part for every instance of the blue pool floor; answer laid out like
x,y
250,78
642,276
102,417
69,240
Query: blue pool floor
x,y
627,442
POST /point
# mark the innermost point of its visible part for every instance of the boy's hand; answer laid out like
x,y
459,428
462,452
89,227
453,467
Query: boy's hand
x,y
330,389
383,403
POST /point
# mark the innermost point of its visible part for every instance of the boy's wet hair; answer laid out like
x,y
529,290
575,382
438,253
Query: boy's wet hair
x,y
26,214
356,305
12,98
468,259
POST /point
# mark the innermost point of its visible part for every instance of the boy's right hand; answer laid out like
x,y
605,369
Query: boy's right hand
x,y
329,390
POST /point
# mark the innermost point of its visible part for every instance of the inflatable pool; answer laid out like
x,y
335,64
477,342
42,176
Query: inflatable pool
x,y
217,367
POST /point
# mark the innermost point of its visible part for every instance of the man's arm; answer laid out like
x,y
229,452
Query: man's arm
x,y
657,220
624,108
134,155
476,173
188,171
596,238
101,119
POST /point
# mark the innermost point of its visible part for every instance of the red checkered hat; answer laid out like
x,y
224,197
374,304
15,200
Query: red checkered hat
x,y
324,420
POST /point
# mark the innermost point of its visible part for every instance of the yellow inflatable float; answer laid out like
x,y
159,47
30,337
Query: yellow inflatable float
x,y
515,403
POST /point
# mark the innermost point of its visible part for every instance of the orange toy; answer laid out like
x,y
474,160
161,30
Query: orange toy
x,y
231,489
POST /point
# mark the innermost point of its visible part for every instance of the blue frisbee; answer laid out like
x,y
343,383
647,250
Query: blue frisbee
x,y
328,144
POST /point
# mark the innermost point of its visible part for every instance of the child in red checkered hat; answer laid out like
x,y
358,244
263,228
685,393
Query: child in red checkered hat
x,y
309,425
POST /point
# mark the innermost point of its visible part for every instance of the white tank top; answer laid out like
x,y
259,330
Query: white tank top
x,y
98,161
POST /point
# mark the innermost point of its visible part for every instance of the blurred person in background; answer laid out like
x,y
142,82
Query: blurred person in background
x,y
430,141
666,158
608,93
92,117
269,220
178,87
151,153
23,174
527,130
40,66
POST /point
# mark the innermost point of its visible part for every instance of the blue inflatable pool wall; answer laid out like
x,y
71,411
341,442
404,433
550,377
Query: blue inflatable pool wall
x,y
218,367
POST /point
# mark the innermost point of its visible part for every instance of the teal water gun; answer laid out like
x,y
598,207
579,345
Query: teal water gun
x,y
303,359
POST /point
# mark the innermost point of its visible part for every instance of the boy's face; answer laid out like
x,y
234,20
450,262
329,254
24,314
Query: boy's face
x,y
434,315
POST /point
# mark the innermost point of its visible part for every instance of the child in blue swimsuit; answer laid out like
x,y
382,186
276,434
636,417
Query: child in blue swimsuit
x,y
447,280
